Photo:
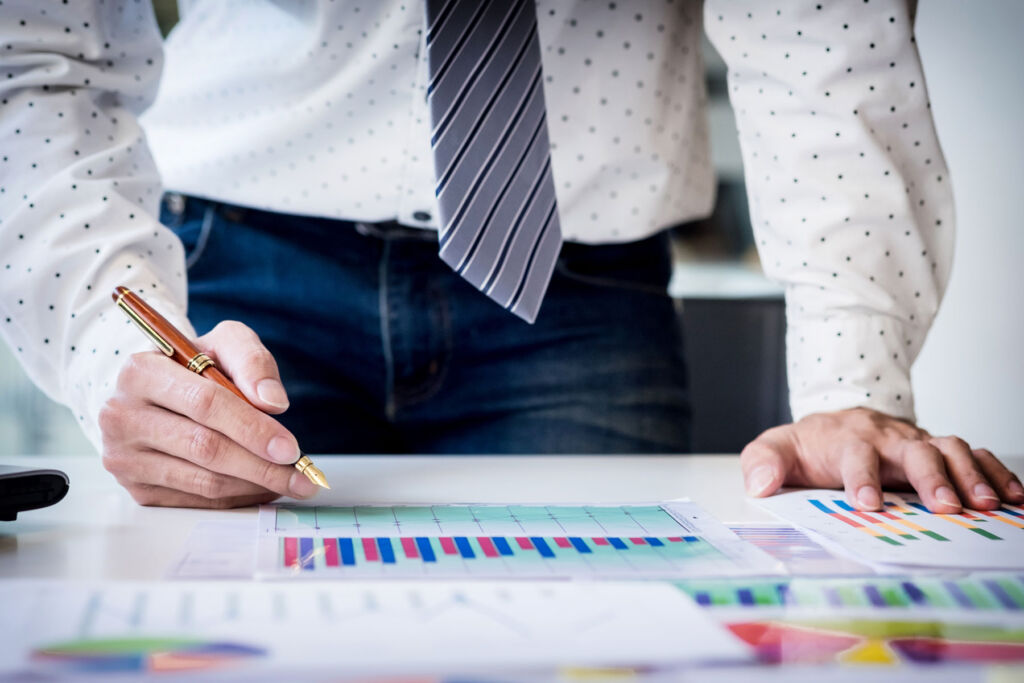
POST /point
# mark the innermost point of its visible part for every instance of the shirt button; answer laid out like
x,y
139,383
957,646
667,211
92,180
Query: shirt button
x,y
421,216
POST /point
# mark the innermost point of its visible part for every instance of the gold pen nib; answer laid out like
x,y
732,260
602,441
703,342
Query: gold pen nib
x,y
312,472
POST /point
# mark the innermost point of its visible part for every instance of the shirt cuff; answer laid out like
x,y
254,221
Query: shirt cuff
x,y
848,360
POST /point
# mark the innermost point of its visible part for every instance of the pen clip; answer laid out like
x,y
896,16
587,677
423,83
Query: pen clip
x,y
154,336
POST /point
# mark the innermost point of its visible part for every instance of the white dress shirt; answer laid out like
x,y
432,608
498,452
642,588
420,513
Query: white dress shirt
x,y
318,107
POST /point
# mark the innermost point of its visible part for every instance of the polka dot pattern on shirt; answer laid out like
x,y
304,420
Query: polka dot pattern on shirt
x,y
850,198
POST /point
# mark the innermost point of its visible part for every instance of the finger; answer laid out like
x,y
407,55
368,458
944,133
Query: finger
x,y
858,466
166,471
765,463
1006,483
926,472
973,487
243,357
207,450
158,496
165,383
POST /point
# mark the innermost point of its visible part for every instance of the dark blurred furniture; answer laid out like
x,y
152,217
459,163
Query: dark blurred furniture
x,y
735,349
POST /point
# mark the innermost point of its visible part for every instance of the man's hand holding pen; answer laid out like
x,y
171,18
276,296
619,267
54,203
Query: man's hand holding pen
x,y
174,438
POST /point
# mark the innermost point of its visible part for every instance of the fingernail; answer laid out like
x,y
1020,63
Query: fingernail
x,y
985,492
271,391
945,495
1015,488
283,450
760,480
868,497
300,486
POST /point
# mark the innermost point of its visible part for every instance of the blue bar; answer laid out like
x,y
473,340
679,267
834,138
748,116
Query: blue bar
x,y
874,597
786,597
833,597
541,545
306,553
465,549
702,598
617,543
387,554
651,540
821,506
920,507
348,555
1010,512
915,594
580,544
958,594
502,545
890,504
690,539
1004,598
426,552
746,596
842,504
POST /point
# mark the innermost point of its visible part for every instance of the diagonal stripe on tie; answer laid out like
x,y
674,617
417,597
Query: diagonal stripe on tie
x,y
492,157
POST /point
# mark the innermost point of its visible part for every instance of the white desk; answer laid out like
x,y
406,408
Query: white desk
x,y
99,532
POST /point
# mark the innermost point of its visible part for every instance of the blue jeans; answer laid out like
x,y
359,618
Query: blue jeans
x,y
384,349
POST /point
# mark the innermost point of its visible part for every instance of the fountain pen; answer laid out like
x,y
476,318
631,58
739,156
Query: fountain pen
x,y
177,347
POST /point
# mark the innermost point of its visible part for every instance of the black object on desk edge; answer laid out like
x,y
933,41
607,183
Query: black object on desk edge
x,y
24,488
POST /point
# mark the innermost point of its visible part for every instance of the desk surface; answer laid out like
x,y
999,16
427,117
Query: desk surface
x,y
99,532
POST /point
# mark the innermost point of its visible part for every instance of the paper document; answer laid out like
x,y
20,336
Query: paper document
x,y
906,533
801,555
64,627
669,540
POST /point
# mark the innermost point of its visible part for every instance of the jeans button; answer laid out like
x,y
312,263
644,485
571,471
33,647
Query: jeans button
x,y
175,203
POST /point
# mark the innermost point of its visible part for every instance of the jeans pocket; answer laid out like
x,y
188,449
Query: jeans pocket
x,y
191,219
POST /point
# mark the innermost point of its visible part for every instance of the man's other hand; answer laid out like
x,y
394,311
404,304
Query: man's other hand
x,y
177,439
863,451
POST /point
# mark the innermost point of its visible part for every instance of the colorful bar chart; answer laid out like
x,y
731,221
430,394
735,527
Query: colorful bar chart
x,y
673,540
494,555
905,532
978,594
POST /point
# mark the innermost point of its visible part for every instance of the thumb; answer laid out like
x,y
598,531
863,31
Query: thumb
x,y
766,461
241,355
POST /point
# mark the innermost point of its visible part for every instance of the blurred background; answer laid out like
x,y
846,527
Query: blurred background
x,y
969,379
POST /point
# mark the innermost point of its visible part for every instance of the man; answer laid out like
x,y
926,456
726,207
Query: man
x,y
324,154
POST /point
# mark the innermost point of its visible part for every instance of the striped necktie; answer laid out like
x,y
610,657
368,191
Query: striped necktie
x,y
496,196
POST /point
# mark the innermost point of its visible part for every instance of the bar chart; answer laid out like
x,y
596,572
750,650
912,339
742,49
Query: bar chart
x,y
905,532
977,594
672,540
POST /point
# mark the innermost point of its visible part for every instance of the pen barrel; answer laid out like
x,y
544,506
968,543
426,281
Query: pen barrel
x,y
170,341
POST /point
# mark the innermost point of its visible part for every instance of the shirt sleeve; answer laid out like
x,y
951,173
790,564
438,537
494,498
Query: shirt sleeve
x,y
849,192
79,194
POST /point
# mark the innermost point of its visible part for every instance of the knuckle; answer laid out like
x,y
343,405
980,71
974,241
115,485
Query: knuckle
x,y
985,453
266,475
208,485
204,446
200,399
111,417
113,462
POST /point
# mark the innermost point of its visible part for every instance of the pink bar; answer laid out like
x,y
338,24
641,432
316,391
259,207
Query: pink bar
x,y
524,543
638,541
448,546
487,545
291,552
370,548
599,541
331,552
968,515
676,539
409,546
562,542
